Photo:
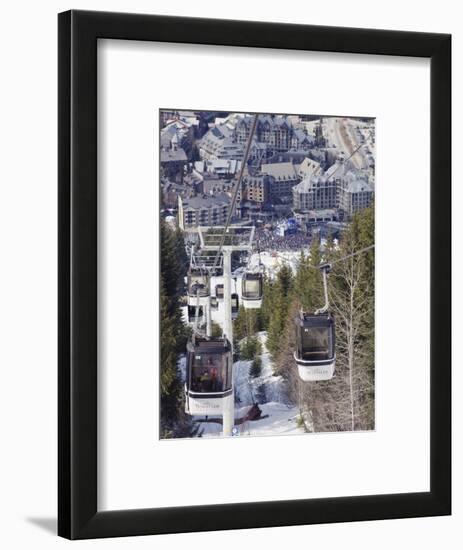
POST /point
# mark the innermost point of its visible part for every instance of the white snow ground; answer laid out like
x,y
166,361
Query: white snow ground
x,y
273,261
246,387
281,420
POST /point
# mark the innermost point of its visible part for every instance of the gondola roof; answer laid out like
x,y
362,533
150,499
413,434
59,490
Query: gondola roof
x,y
211,345
252,276
312,320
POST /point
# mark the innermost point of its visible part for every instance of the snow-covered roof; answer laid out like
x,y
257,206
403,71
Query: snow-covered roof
x,y
309,167
219,139
355,183
271,121
173,155
218,165
301,136
310,183
206,201
339,169
280,170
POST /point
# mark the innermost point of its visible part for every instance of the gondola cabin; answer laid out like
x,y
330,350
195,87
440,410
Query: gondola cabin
x,y
209,376
198,285
219,292
315,355
251,290
235,305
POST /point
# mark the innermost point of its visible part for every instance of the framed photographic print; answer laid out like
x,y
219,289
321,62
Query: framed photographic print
x,y
254,274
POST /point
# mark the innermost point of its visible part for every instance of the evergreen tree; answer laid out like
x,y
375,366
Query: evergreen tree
x,y
308,284
182,257
256,367
266,309
281,298
250,347
239,325
169,375
346,402
171,267
173,337
329,247
246,324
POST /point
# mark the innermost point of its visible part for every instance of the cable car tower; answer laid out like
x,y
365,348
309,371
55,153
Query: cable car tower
x,y
237,239
202,267
209,381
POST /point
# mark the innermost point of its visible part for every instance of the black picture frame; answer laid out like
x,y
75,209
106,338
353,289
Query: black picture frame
x,y
78,33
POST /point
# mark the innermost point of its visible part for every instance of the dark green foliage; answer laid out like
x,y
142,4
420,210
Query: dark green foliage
x,y
173,267
281,301
329,247
250,347
168,347
247,323
239,325
283,360
308,284
256,367
181,256
174,334
169,376
267,305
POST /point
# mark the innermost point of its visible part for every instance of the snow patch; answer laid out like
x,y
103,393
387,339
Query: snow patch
x,y
277,419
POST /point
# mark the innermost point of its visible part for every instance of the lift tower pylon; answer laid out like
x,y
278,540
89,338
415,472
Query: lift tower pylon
x,y
237,239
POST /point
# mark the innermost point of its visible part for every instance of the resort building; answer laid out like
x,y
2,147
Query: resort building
x,y
218,143
173,161
274,130
206,210
355,193
315,193
284,178
255,189
222,168
349,193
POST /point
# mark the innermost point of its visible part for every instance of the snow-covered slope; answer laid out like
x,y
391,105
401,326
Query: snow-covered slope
x,y
277,419
249,389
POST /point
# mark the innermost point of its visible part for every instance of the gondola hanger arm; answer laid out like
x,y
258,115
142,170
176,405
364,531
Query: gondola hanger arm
x,y
326,266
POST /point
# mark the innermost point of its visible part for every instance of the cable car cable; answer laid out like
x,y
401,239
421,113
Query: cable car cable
x,y
237,186
350,156
329,264
353,254
326,307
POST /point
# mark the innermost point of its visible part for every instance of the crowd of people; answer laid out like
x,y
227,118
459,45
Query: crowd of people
x,y
267,240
